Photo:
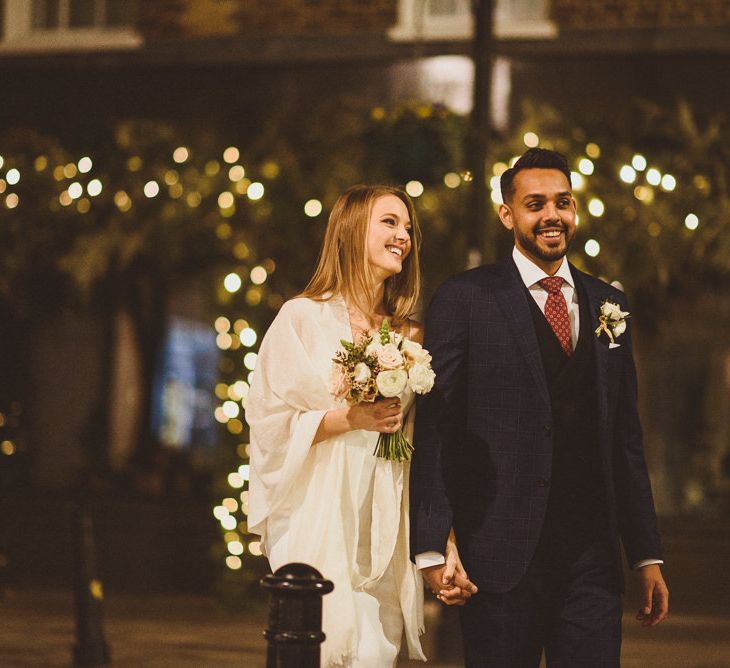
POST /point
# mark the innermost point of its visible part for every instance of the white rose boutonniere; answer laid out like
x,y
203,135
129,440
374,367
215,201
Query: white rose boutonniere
x,y
611,320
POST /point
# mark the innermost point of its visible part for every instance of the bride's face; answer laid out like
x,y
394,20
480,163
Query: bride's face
x,y
389,236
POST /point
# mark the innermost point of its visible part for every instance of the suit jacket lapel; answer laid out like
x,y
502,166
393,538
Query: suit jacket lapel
x,y
600,350
512,299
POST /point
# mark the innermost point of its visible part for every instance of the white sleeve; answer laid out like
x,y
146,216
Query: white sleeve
x,y
426,559
284,408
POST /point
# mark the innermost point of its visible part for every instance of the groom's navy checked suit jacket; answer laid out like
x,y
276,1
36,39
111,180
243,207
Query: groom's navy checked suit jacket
x,y
483,437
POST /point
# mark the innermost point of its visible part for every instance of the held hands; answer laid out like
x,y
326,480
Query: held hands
x,y
383,415
655,596
449,581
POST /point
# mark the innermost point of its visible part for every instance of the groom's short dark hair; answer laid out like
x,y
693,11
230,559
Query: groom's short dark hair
x,y
534,158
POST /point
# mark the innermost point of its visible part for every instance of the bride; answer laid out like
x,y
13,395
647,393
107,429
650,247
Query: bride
x,y
318,495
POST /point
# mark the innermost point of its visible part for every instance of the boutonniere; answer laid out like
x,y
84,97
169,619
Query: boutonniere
x,y
612,320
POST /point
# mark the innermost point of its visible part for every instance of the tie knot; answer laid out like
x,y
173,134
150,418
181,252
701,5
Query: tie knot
x,y
552,284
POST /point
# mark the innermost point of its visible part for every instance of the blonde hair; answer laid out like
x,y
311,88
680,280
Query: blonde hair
x,y
343,266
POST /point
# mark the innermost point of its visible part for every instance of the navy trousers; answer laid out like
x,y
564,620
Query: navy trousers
x,y
567,605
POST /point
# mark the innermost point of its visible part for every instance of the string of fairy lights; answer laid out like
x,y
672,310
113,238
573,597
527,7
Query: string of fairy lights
x,y
232,510
79,187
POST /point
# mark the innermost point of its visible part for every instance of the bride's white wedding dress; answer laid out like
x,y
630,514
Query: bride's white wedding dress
x,y
332,505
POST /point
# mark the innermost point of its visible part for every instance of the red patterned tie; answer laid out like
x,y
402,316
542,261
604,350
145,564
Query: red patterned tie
x,y
556,312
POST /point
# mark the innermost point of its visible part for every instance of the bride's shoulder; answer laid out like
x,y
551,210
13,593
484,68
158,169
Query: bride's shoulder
x,y
298,307
302,310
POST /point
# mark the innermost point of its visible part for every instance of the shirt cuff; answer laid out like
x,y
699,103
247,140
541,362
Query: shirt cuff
x,y
426,559
641,564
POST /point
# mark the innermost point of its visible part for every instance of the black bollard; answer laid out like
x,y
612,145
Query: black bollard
x,y
295,616
91,648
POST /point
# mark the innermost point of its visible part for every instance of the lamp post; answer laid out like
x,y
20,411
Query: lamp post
x,y
483,236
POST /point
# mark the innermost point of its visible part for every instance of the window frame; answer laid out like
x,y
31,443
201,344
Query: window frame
x,y
22,36
416,24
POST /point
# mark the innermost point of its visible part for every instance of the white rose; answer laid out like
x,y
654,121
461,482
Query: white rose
x,y
361,373
391,383
608,309
613,311
373,347
420,378
396,337
619,328
389,357
415,351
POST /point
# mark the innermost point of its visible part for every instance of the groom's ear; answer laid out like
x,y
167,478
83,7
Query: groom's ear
x,y
505,215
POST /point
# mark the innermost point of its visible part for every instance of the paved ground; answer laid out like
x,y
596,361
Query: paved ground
x,y
191,631
37,629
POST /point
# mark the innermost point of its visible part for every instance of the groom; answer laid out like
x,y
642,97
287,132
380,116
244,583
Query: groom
x,y
530,446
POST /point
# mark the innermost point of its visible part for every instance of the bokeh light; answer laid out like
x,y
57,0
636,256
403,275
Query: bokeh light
x,y
313,208
180,154
638,162
94,187
653,176
248,337
249,361
258,275
414,188
596,207
151,189
452,180
592,248
585,166
627,174
232,282
231,154
691,222
85,164
255,191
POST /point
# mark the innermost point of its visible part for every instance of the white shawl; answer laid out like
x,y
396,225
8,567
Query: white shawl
x,y
316,487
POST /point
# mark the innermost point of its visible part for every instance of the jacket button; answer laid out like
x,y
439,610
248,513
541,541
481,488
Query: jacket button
x,y
548,429
542,482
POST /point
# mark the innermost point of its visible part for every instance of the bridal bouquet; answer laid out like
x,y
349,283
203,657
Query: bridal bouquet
x,y
382,366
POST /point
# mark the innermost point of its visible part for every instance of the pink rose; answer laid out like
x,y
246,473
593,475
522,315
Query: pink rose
x,y
338,381
389,357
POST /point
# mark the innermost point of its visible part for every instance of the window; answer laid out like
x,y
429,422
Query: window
x,y
53,25
453,20
443,7
71,14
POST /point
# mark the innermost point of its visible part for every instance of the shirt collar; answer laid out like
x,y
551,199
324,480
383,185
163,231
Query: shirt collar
x,y
531,273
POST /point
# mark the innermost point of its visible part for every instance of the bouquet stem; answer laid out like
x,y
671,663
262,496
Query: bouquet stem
x,y
394,447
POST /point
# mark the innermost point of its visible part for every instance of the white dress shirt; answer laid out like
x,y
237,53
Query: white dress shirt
x,y
531,276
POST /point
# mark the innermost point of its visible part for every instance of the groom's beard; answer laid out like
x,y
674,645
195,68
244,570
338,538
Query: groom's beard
x,y
530,242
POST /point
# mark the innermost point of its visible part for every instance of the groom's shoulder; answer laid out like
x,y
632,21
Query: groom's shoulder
x,y
470,283
599,287
477,278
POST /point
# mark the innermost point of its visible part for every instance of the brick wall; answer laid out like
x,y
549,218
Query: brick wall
x,y
210,18
316,16
639,13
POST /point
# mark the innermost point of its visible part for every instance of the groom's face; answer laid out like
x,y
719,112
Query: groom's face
x,y
541,214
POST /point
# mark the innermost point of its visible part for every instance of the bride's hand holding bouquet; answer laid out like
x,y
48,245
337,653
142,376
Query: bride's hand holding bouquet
x,y
381,367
